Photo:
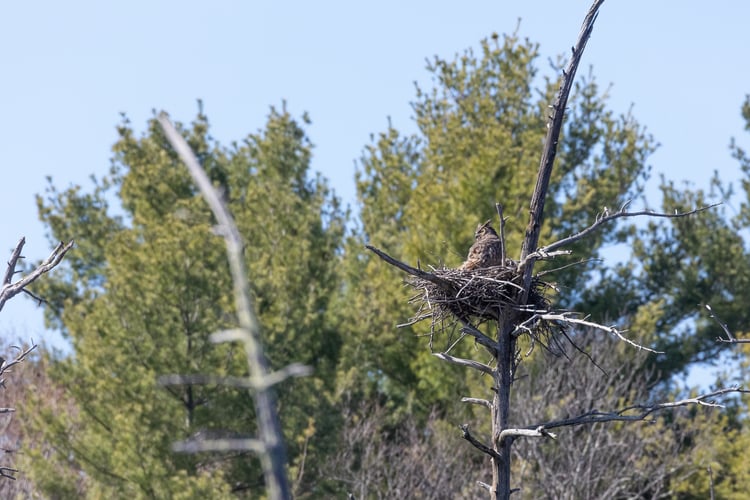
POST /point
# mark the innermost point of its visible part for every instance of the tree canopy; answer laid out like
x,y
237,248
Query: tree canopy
x,y
151,283
148,282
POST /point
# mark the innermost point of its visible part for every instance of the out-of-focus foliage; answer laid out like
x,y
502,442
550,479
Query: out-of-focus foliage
x,y
149,286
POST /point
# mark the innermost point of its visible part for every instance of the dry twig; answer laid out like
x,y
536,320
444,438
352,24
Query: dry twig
x,y
731,339
601,219
11,289
633,413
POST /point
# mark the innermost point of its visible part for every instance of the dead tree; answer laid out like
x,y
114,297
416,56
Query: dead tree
x,y
12,288
9,290
512,298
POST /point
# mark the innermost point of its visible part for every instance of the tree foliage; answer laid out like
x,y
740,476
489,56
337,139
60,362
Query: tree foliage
x,y
151,284
480,130
148,283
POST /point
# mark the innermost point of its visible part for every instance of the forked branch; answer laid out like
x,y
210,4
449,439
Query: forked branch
x,y
567,318
633,413
11,289
271,442
601,219
731,339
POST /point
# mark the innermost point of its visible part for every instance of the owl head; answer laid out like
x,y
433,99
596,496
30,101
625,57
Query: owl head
x,y
483,229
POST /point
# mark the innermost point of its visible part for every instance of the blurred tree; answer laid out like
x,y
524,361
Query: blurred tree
x,y
151,283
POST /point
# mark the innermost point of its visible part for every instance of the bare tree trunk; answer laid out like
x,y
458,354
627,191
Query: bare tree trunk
x,y
500,410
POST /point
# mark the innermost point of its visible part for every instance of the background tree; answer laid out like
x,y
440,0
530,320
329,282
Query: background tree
x,y
502,344
480,130
157,285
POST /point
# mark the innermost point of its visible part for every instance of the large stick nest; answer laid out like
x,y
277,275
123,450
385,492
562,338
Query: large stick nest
x,y
476,296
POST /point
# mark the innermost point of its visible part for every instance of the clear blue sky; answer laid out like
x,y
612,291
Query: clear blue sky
x,y
70,68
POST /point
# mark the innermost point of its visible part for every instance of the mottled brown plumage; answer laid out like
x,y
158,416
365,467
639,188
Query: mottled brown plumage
x,y
486,250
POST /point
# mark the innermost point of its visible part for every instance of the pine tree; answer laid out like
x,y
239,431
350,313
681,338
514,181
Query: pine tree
x,y
480,131
150,284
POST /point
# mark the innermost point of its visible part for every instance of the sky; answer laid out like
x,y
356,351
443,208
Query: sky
x,y
71,68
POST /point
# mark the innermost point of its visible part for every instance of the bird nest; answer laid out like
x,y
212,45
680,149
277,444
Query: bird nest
x,y
478,295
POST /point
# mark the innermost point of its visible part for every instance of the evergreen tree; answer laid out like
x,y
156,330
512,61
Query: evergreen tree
x,y
480,131
149,286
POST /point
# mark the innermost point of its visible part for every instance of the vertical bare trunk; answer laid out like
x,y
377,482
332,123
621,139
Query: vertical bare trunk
x,y
500,410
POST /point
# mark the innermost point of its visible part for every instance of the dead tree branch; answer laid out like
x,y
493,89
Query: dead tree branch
x,y
503,252
554,127
566,318
540,431
476,443
642,412
408,269
731,339
11,289
273,378
477,401
272,450
220,445
5,367
601,219
469,363
8,472
480,338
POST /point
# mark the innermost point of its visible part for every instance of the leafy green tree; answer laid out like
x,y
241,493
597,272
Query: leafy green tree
x,y
690,262
480,131
477,143
150,283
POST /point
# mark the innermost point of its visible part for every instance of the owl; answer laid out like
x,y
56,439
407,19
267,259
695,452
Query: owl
x,y
486,250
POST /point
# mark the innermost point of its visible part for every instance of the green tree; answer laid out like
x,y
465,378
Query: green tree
x,y
480,131
479,135
690,262
149,285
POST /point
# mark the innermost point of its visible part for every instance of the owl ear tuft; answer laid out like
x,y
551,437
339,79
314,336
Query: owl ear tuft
x,y
482,226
